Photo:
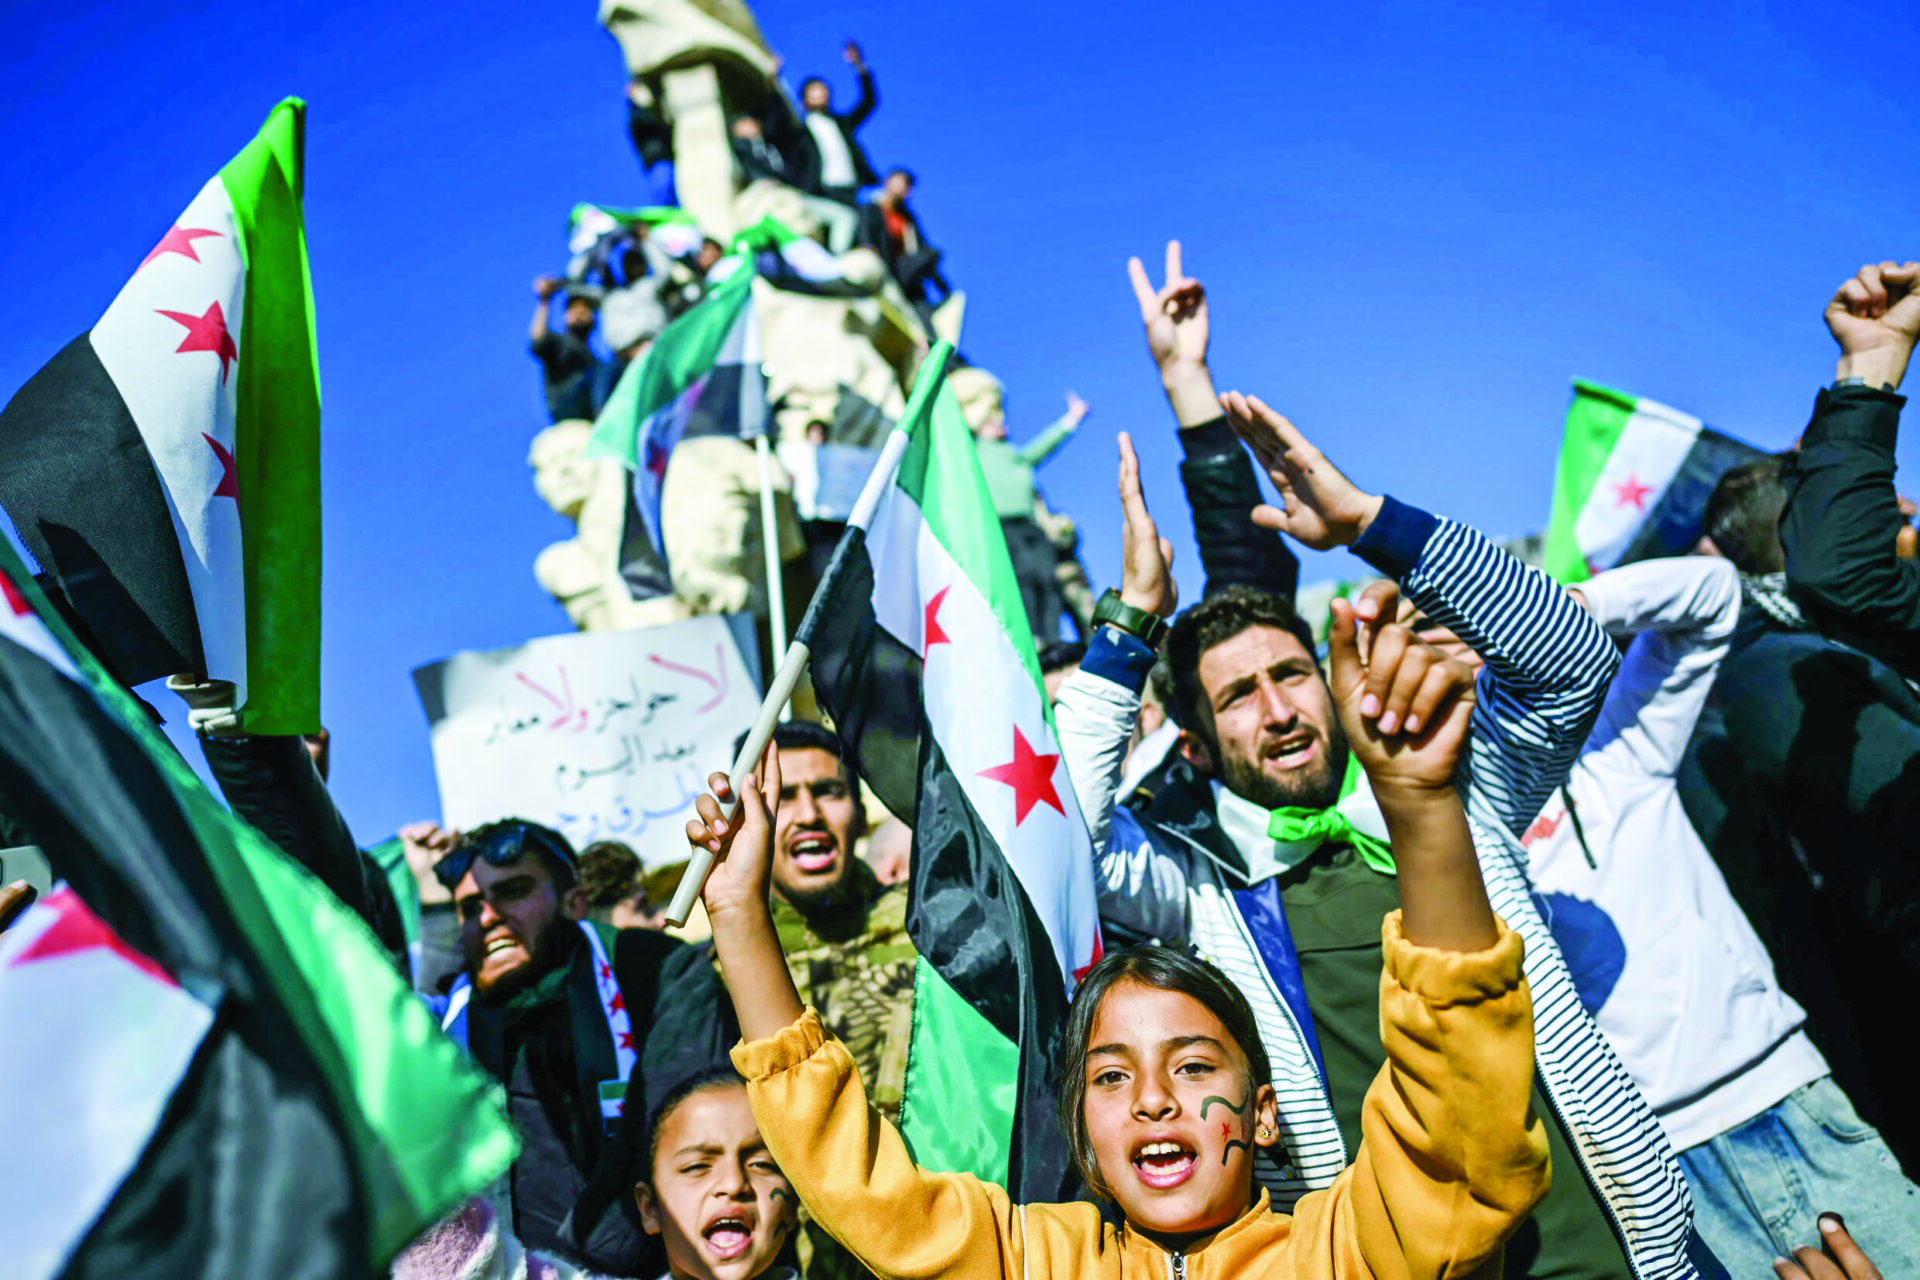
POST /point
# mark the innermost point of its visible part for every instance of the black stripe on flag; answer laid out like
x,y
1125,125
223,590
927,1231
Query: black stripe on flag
x,y
967,912
1674,525
79,485
248,1173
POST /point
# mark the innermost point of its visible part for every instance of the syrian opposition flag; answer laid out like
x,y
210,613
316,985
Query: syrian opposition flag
x,y
1632,482
211,1068
787,260
922,655
701,377
164,468
675,230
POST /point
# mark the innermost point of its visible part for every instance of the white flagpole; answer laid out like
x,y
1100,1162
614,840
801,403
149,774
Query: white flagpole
x,y
770,544
787,677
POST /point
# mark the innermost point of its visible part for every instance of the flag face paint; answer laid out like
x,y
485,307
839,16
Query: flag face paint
x,y
97,1040
170,344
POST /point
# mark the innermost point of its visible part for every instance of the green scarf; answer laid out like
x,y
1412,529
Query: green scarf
x,y
1317,826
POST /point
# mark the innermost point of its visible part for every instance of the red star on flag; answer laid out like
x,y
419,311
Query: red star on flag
x,y
1632,493
934,633
15,601
626,1039
1030,774
76,929
229,486
178,240
618,1004
606,972
206,333
1092,960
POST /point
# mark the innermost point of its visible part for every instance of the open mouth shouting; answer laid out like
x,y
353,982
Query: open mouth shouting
x,y
1163,1162
728,1236
1294,751
813,852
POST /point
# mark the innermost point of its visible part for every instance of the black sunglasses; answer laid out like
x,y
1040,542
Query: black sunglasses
x,y
500,843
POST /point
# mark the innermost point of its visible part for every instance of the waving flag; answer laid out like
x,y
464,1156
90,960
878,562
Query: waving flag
x,y
1632,483
923,657
213,1069
701,377
164,468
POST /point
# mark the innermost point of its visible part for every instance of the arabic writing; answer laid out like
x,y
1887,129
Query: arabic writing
x,y
604,735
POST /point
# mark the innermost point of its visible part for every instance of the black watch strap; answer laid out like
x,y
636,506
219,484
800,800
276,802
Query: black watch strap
x,y
1148,628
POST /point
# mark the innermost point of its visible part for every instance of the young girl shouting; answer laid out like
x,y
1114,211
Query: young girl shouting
x,y
1165,1083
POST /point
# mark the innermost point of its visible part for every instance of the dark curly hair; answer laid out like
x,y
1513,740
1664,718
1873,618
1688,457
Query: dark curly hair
x,y
1214,621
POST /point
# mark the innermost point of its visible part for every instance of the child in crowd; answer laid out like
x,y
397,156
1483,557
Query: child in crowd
x,y
1165,1082
708,1188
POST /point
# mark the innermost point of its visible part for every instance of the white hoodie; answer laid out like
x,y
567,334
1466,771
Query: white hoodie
x,y
1664,959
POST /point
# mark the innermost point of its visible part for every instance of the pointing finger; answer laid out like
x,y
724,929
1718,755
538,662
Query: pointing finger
x,y
1343,651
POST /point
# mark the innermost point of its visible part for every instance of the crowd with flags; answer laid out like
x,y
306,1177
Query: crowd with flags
x,y
1536,920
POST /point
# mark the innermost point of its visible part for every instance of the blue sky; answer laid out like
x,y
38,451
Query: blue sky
x,y
1418,223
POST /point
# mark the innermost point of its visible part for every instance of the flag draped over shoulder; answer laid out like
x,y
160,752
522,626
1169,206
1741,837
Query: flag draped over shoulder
x,y
923,657
164,468
1632,482
215,1070
701,377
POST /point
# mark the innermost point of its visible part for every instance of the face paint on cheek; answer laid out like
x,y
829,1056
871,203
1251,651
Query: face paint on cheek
x,y
1226,1126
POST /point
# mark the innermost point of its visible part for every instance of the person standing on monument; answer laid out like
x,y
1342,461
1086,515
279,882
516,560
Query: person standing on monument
x,y
569,366
833,164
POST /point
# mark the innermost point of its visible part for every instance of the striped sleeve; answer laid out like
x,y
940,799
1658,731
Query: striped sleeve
x,y
1548,663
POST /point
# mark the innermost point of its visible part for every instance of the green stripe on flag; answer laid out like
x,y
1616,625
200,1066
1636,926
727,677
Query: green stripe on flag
x,y
684,351
1595,421
277,429
426,1127
959,512
962,1078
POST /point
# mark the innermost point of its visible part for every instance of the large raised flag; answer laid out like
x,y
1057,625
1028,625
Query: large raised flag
x,y
212,1069
1632,482
922,655
701,377
164,468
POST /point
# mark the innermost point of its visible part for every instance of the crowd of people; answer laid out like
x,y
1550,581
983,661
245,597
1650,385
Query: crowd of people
x,y
1539,927
1522,928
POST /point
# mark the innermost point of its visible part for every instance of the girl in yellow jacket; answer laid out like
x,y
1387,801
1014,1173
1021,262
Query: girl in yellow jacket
x,y
1164,1080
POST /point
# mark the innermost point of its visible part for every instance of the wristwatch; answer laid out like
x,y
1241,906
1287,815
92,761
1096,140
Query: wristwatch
x,y
1148,628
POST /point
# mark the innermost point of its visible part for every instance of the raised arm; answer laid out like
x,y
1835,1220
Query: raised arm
x,y
1042,447
850,1167
1680,615
1452,1157
1842,520
1548,663
1219,481
869,100
543,290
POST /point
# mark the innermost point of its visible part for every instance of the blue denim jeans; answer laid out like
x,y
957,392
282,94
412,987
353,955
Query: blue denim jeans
x,y
1759,1189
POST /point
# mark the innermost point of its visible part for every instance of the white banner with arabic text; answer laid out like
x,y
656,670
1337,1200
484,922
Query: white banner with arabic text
x,y
603,735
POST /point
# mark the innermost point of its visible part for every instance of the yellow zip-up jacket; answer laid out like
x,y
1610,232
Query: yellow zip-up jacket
x,y
1452,1157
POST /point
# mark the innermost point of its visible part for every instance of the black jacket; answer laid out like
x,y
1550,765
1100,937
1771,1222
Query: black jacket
x,y
759,158
1222,492
1839,525
270,782
806,152
652,136
684,1024
1803,781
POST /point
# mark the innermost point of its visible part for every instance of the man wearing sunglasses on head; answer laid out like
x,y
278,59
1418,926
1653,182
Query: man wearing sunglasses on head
x,y
568,1013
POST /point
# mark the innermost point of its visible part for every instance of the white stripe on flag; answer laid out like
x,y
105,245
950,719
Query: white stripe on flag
x,y
1648,454
977,695
95,1045
178,379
